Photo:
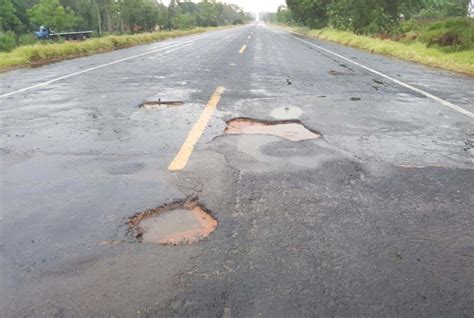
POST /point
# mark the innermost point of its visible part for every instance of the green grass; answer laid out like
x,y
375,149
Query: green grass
x,y
43,53
454,60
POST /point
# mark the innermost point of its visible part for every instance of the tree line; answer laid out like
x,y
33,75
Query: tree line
x,y
19,17
365,16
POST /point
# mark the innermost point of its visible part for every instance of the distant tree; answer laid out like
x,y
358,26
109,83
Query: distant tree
x,y
207,15
443,8
284,15
52,14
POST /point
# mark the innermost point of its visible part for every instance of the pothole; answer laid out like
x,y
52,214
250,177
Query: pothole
x,y
181,222
289,129
157,104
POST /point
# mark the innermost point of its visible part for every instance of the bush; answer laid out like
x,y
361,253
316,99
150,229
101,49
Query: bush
x,y
454,32
27,39
7,41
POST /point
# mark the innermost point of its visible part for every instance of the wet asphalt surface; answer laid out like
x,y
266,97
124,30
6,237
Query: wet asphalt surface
x,y
375,218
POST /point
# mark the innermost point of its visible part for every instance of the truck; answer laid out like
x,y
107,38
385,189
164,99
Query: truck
x,y
46,33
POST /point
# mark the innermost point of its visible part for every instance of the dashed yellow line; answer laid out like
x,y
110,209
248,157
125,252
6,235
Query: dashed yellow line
x,y
242,50
182,158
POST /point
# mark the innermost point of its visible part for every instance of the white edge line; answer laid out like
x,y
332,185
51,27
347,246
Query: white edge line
x,y
429,95
101,66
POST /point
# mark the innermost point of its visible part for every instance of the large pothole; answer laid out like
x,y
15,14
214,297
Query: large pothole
x,y
292,130
181,222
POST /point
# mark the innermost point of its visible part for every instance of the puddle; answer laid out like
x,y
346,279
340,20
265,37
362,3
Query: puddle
x,y
183,222
291,130
356,99
287,113
159,104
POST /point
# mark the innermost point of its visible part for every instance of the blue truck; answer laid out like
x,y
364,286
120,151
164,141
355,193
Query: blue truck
x,y
46,33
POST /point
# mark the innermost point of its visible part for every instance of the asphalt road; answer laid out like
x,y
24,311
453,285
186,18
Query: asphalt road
x,y
373,219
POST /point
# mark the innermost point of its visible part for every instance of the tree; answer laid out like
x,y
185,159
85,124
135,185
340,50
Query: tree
x,y
313,13
50,13
10,21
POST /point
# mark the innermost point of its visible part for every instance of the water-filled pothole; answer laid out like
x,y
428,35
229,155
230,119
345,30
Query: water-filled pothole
x,y
290,129
181,222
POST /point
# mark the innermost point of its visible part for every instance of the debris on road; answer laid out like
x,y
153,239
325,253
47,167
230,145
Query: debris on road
x,y
289,129
334,72
161,104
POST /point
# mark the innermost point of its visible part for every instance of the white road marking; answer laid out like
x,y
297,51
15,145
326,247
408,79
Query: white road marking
x,y
413,88
102,66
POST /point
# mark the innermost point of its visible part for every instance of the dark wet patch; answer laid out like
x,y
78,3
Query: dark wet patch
x,y
126,169
356,99
378,81
292,130
345,66
161,104
180,222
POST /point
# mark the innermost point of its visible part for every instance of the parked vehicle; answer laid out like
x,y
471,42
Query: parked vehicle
x,y
46,33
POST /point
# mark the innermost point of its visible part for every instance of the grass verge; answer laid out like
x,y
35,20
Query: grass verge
x,y
454,60
39,54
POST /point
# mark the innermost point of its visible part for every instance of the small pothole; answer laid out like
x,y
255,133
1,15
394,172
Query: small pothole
x,y
181,222
292,130
159,104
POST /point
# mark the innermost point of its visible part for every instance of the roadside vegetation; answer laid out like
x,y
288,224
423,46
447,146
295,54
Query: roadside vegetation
x,y
41,53
115,24
432,32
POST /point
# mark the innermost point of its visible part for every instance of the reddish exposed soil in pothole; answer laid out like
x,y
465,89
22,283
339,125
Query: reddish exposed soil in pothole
x,y
292,130
181,222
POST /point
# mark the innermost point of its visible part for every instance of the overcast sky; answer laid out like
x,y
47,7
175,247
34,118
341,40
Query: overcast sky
x,y
252,5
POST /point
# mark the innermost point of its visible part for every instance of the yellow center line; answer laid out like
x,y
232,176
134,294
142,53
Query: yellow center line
x,y
242,50
181,159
